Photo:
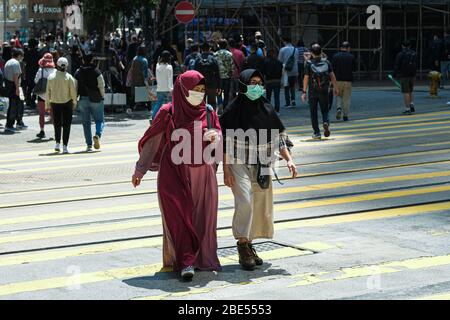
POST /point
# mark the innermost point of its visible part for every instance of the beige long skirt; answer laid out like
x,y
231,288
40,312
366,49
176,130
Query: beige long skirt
x,y
253,215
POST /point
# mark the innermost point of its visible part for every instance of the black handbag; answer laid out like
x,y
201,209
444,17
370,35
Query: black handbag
x,y
41,85
262,179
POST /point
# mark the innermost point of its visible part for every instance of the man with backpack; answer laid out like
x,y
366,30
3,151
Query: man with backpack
x,y
208,66
189,61
318,77
405,69
289,58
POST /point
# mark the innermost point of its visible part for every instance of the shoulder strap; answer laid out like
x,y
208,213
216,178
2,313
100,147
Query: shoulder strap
x,y
209,110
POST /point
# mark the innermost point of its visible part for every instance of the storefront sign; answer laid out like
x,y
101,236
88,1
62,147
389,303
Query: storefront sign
x,y
45,10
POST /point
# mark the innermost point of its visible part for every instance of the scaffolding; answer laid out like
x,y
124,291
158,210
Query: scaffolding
x,y
330,22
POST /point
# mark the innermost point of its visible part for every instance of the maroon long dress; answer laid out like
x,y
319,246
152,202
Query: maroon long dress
x,y
187,193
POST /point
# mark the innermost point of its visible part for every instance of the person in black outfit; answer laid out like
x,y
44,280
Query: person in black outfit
x,y
436,53
405,69
132,49
31,59
273,71
318,76
343,65
208,66
253,61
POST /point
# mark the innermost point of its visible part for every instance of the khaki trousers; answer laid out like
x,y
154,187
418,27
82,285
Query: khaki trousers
x,y
253,215
344,97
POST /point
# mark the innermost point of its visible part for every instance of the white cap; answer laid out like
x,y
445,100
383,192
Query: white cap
x,y
62,62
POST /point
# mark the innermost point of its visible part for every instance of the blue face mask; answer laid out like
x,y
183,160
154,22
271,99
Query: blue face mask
x,y
254,92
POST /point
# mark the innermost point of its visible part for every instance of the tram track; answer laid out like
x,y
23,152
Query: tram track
x,y
276,222
356,159
276,202
140,193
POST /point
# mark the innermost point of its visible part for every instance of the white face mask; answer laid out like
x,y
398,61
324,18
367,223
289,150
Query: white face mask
x,y
195,98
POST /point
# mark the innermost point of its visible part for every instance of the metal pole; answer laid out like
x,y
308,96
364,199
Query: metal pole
x,y
347,23
359,47
381,43
421,39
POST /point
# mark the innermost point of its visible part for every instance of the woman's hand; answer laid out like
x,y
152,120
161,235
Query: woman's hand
x,y
292,168
228,177
136,181
210,135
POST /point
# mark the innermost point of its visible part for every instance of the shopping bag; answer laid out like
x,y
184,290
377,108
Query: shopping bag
x,y
4,105
108,99
119,99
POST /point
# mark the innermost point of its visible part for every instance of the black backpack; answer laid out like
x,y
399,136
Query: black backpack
x,y
320,74
408,65
205,65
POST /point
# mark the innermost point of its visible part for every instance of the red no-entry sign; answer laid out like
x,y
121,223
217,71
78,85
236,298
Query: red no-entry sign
x,y
184,12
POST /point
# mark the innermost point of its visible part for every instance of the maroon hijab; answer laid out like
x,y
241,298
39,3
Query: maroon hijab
x,y
184,113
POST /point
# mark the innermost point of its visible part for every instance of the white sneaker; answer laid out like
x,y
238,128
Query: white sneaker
x,y
188,273
89,149
65,150
57,147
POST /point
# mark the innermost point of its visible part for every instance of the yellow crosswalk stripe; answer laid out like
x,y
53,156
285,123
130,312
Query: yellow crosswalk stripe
x,y
433,144
222,197
123,273
441,296
331,276
134,192
371,270
146,270
393,120
325,277
372,215
144,223
382,128
349,138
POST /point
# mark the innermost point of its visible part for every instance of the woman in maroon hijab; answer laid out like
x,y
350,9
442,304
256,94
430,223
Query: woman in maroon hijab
x,y
188,192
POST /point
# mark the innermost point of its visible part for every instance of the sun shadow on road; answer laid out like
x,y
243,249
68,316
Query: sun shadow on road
x,y
170,282
38,140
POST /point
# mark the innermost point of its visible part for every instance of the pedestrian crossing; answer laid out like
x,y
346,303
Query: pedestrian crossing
x,y
110,242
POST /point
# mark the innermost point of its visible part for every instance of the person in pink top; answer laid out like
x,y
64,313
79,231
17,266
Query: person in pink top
x,y
238,59
188,192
